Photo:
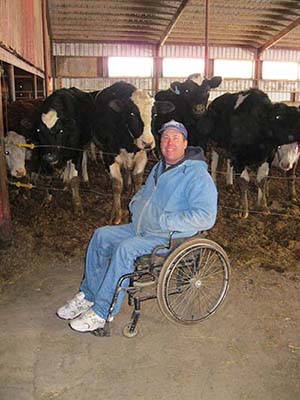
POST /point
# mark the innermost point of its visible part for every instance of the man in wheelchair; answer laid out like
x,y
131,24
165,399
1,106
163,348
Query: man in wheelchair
x,y
178,195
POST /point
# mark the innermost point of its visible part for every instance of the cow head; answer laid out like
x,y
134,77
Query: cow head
x,y
136,115
286,156
195,94
284,123
59,134
15,155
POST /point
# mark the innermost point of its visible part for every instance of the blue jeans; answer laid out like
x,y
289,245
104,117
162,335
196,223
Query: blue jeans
x,y
111,254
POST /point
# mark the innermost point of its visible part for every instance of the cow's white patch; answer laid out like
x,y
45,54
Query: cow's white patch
x,y
69,172
245,175
140,161
115,171
229,173
85,176
15,155
240,100
214,165
93,152
262,172
144,103
286,156
125,160
50,118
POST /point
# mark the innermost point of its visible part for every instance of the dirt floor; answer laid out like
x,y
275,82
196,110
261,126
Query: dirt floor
x,y
250,349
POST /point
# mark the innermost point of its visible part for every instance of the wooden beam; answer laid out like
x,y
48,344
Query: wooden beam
x,y
5,219
173,22
279,36
16,60
11,82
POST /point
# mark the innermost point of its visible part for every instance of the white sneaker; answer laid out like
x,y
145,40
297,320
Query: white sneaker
x,y
88,322
74,307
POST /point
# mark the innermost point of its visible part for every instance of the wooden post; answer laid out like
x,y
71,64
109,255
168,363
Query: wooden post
x,y
257,69
206,55
157,71
35,87
5,220
11,83
46,48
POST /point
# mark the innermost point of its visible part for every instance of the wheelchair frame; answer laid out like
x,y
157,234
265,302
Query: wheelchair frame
x,y
194,270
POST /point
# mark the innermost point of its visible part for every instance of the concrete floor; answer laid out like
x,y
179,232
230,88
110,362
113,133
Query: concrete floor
x,y
249,350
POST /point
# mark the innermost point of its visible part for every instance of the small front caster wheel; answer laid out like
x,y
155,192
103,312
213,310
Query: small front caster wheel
x,y
128,333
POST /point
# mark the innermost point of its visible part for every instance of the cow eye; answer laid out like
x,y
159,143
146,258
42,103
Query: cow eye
x,y
61,131
187,91
278,117
6,152
132,114
38,130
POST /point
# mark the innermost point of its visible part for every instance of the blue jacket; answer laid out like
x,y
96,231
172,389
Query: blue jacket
x,y
180,199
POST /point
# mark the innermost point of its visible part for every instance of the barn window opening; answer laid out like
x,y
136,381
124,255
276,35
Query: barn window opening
x,y
130,66
234,68
280,70
182,67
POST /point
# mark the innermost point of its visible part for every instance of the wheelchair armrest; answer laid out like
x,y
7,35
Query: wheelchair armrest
x,y
176,242
173,243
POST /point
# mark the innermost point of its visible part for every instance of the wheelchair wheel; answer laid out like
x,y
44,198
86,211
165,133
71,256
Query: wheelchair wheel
x,y
193,281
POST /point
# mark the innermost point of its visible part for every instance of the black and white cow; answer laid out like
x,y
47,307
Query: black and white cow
x,y
286,158
63,130
190,100
123,132
248,128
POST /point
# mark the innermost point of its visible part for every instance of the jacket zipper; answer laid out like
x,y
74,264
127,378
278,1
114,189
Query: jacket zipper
x,y
148,201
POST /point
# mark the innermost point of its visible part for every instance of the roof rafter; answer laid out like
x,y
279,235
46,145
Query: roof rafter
x,y
173,22
279,36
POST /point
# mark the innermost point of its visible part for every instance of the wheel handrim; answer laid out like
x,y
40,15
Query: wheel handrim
x,y
196,284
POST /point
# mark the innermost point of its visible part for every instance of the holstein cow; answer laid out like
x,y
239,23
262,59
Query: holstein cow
x,y
248,128
286,158
63,131
190,100
123,132
15,155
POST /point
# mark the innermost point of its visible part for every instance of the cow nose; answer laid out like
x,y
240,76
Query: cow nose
x,y
285,166
50,158
20,172
199,109
147,146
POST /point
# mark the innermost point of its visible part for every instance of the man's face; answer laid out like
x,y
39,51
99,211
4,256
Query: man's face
x,y
172,145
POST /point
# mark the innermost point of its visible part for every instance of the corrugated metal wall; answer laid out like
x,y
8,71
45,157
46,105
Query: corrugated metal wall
x,y
277,90
21,29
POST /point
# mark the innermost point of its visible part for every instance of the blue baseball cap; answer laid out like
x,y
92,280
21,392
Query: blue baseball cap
x,y
178,126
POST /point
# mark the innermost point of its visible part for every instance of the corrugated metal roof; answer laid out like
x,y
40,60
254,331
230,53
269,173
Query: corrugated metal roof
x,y
246,23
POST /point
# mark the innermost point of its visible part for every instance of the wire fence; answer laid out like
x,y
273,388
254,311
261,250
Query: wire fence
x,y
104,194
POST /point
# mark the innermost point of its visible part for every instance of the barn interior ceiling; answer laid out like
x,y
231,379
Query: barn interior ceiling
x,y
259,24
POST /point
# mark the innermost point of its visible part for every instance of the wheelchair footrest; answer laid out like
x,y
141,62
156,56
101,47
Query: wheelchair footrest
x,y
102,332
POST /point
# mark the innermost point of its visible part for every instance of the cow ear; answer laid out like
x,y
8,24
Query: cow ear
x,y
214,82
164,107
116,105
26,123
175,87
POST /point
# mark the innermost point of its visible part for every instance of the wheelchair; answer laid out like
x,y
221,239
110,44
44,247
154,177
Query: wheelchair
x,y
189,277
